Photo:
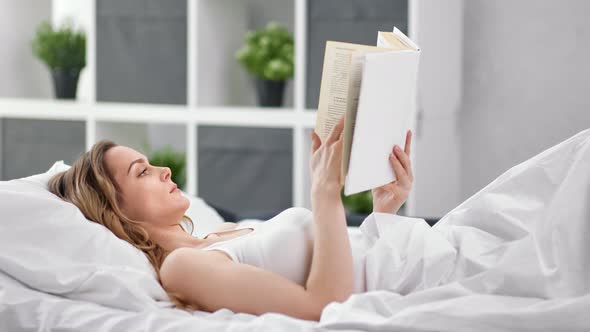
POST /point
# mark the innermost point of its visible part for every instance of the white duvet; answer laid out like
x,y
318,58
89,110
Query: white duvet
x,y
513,257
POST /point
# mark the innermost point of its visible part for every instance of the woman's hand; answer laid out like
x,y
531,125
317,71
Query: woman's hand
x,y
390,197
326,161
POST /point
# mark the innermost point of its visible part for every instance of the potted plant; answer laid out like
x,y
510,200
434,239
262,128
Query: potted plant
x,y
359,206
64,52
176,161
268,55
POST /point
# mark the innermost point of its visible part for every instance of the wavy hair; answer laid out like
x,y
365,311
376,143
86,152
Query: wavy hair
x,y
89,186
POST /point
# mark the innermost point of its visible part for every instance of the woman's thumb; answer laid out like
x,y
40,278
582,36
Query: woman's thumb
x,y
315,141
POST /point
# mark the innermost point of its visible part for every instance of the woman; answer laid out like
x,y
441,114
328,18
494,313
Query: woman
x,y
116,187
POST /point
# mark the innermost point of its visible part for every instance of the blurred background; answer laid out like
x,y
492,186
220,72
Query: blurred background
x,y
185,83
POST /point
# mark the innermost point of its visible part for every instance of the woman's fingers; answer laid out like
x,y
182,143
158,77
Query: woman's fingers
x,y
315,142
405,161
400,172
408,142
336,131
334,135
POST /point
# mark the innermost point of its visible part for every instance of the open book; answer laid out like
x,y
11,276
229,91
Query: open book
x,y
375,88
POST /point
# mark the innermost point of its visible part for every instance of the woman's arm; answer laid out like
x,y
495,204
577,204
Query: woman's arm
x,y
210,281
331,273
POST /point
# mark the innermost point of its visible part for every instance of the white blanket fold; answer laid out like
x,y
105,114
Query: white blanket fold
x,y
513,257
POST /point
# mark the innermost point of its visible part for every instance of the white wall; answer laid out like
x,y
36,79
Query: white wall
x,y
499,82
526,82
437,28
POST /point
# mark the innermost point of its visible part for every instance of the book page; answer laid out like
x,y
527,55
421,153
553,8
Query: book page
x,y
354,87
334,88
388,40
392,41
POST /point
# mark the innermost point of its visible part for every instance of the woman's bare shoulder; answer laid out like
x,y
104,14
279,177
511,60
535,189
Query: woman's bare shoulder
x,y
190,260
180,269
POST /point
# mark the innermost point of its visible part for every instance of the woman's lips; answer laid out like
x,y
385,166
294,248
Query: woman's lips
x,y
174,188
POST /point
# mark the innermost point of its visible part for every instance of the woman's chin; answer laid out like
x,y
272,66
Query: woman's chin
x,y
186,203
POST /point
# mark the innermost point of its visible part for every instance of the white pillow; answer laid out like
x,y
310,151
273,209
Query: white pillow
x,y
49,245
205,218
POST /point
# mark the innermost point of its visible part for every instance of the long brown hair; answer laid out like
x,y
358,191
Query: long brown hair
x,y
89,186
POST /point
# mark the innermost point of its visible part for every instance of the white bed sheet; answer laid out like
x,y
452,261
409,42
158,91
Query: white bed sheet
x,y
24,309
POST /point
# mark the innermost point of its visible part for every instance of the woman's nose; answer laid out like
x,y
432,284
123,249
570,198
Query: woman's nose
x,y
166,174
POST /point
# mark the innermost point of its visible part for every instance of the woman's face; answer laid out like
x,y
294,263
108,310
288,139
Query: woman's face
x,y
147,192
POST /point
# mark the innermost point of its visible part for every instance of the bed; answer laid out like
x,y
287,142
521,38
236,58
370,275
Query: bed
x,y
513,257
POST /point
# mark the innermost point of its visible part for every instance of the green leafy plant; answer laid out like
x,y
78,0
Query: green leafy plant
x,y
176,161
64,48
268,53
358,203
362,203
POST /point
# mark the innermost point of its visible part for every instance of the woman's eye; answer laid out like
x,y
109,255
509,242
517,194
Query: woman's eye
x,y
143,172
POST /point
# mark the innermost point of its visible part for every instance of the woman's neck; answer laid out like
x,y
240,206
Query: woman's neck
x,y
173,237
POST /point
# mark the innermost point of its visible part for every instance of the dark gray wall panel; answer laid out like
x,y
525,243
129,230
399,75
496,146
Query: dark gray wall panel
x,y
245,170
141,51
352,21
31,146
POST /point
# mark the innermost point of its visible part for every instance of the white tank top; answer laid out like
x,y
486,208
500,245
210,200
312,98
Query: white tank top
x,y
283,245
390,252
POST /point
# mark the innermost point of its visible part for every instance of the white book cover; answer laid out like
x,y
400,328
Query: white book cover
x,y
386,110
